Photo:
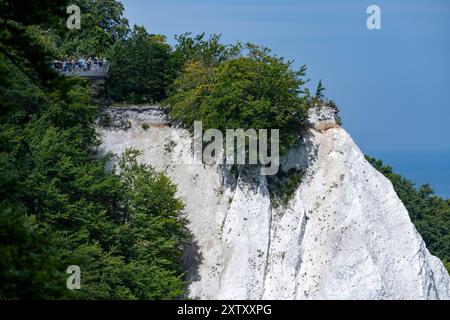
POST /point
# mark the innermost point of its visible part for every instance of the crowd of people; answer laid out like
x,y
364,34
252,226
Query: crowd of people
x,y
81,65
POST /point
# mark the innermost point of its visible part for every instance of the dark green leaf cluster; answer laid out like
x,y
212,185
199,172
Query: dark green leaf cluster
x,y
246,89
283,185
58,204
102,26
141,68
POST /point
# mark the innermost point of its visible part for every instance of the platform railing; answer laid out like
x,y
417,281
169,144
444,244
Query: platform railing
x,y
93,70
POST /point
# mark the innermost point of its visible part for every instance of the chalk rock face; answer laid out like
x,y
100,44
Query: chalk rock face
x,y
344,234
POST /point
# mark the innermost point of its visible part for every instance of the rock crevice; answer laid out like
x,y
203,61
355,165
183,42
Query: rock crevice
x,y
343,235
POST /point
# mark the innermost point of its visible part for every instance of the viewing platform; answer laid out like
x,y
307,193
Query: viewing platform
x,y
94,69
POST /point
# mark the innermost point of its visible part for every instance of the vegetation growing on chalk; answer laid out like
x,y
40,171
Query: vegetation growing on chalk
x,y
58,204
245,87
283,186
168,147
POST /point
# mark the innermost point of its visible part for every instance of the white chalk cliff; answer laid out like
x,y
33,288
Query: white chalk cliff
x,y
344,234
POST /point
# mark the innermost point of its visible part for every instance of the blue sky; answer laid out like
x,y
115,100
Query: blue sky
x,y
391,84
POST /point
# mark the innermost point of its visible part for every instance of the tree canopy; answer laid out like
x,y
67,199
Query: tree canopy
x,y
124,227
102,26
249,88
58,204
141,68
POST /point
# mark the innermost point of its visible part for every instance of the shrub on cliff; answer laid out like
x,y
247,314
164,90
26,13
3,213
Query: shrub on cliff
x,y
252,89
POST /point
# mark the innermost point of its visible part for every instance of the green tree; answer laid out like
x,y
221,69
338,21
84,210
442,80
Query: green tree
x,y
253,90
58,204
102,25
28,267
141,68
319,91
154,225
207,51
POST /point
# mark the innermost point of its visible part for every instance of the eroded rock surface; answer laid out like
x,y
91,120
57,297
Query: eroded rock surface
x,y
343,235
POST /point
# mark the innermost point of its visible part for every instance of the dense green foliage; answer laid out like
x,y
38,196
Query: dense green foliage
x,y
142,68
58,204
249,88
283,185
207,51
102,26
429,213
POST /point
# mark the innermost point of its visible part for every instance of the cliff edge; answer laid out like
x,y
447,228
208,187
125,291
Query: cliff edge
x,y
344,233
